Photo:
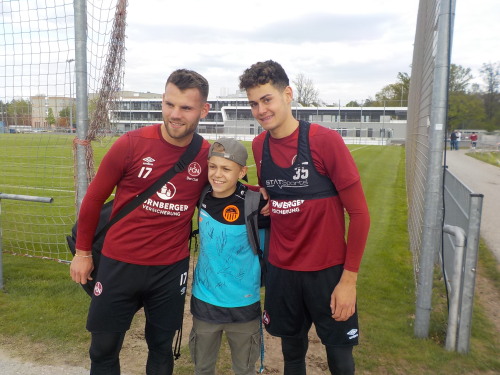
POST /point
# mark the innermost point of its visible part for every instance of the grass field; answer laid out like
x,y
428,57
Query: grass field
x,y
490,157
41,308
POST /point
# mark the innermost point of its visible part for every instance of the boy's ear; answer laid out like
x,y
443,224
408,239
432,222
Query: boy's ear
x,y
243,172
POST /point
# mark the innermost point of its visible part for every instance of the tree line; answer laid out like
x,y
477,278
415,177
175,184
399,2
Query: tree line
x,y
470,105
19,112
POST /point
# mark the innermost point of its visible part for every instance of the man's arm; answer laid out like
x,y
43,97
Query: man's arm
x,y
343,300
101,187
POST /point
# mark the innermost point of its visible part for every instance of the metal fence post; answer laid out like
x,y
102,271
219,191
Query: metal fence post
x,y
456,285
469,279
82,117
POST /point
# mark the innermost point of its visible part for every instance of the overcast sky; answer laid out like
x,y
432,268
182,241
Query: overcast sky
x,y
349,49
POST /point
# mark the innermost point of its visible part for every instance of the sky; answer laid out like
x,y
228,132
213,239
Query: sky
x,y
349,49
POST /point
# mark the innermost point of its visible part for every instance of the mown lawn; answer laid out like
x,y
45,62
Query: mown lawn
x,y
40,305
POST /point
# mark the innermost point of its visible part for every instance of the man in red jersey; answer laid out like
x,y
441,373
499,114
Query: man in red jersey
x,y
145,256
311,179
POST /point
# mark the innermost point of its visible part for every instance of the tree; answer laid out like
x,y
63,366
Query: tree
x,y
51,120
307,94
491,77
465,107
465,111
459,78
18,112
353,103
394,94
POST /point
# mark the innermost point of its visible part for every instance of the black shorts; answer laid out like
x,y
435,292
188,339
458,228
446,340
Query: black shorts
x,y
296,299
123,288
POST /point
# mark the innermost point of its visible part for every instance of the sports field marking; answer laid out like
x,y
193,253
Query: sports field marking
x,y
359,148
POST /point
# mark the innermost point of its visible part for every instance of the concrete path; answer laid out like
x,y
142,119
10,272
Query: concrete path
x,y
481,178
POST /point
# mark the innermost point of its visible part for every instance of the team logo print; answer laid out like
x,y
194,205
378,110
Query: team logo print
x,y
265,318
231,213
194,169
353,333
148,160
167,191
97,289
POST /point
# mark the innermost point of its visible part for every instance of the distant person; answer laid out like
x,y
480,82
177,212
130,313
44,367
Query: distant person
x,y
459,138
473,140
453,140
145,257
227,277
311,178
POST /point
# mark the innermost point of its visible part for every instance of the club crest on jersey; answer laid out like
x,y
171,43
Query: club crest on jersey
x,y
231,213
265,318
194,169
97,289
167,191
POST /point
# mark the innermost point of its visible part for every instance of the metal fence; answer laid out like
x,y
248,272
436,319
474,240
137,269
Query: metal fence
x,y
427,109
462,221
39,75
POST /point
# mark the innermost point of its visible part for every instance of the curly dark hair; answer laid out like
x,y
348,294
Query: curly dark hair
x,y
261,73
189,79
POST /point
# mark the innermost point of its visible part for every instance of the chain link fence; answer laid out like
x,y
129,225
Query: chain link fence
x,y
427,110
38,114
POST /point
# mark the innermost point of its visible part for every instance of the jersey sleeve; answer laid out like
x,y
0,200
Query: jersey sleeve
x,y
338,163
354,202
109,173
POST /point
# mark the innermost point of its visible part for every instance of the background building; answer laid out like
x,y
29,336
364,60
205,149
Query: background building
x,y
231,116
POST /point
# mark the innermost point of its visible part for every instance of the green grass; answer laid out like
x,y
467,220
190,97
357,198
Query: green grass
x,y
491,157
41,305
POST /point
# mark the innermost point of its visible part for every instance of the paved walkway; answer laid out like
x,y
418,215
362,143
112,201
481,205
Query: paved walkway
x,y
481,178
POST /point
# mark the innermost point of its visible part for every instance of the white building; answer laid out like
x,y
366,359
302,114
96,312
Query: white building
x,y
231,116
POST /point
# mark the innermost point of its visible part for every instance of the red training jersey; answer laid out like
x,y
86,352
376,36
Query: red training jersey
x,y
157,232
313,236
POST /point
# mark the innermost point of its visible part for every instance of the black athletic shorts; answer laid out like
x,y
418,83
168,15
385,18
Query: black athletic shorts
x,y
296,299
123,288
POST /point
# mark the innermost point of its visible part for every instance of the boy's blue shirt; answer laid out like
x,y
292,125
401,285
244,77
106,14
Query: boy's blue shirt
x,y
228,271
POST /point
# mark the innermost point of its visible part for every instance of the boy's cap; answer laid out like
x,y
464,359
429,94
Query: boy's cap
x,y
233,150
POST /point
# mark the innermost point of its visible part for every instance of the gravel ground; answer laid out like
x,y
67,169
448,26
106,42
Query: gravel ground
x,y
16,366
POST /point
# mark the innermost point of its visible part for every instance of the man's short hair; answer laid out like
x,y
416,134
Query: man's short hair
x,y
262,73
188,79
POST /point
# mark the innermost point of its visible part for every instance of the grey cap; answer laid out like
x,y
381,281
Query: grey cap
x,y
233,150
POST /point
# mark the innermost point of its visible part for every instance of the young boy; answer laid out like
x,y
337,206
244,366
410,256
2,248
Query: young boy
x,y
227,277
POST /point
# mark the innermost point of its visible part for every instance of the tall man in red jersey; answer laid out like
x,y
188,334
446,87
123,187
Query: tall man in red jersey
x,y
145,256
311,178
